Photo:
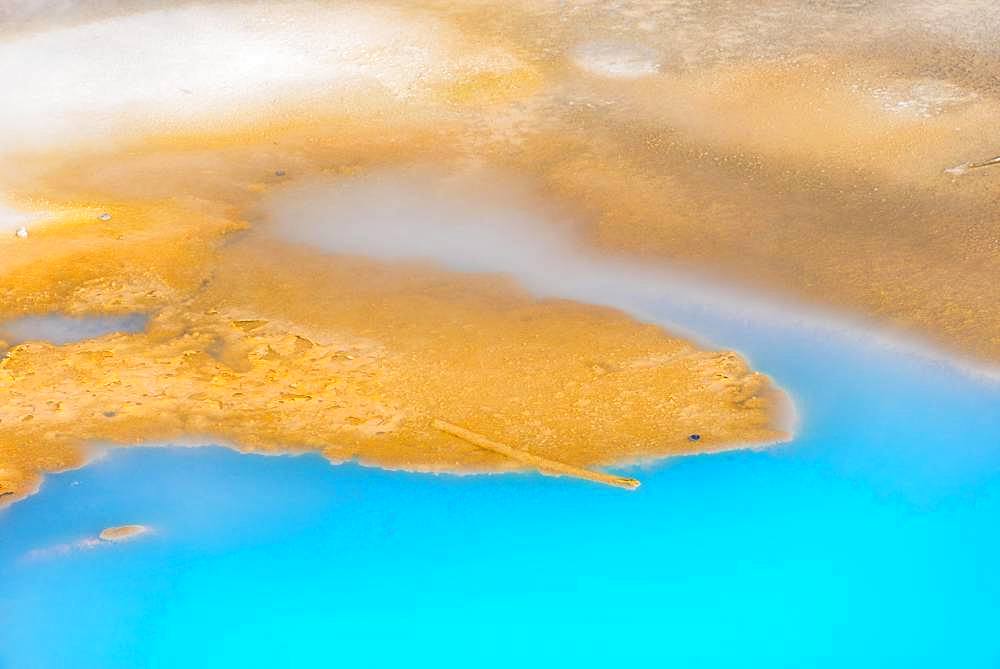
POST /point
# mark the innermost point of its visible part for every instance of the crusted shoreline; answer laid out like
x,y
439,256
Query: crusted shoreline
x,y
816,171
275,347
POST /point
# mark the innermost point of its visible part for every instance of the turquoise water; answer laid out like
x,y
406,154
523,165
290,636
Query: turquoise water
x,y
870,541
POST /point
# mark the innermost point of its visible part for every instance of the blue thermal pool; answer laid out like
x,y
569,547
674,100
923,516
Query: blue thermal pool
x,y
868,541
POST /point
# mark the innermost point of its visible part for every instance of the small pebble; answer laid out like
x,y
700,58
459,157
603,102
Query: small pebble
x,y
279,173
22,232
105,216
694,437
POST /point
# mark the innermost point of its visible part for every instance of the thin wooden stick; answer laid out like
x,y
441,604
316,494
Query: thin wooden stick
x,y
985,163
541,463
959,170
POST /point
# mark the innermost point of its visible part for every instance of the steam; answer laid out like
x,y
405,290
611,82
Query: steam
x,y
11,219
484,221
474,222
159,69
58,329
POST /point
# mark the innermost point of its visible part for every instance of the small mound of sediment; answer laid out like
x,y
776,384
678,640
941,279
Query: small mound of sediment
x,y
123,533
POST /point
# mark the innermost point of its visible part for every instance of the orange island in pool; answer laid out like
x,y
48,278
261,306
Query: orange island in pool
x,y
277,348
134,176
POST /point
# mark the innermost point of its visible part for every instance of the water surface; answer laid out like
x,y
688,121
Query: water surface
x,y
803,144
869,541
